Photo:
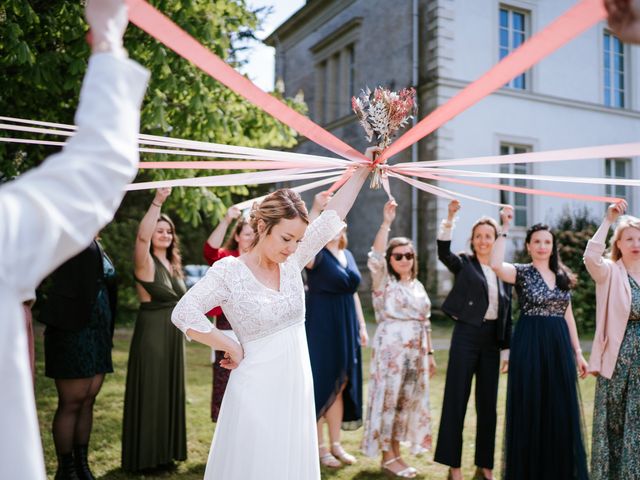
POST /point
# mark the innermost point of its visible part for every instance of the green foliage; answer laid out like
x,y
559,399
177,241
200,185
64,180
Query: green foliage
x,y
573,230
43,56
573,233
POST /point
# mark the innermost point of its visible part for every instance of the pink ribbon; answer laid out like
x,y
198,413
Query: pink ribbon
x,y
510,188
164,30
582,153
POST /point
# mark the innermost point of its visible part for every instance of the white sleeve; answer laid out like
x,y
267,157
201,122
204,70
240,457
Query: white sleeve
x,y
446,229
318,234
52,212
211,291
48,215
377,265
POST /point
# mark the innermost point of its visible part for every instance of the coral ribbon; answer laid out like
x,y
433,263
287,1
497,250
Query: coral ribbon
x,y
572,23
166,31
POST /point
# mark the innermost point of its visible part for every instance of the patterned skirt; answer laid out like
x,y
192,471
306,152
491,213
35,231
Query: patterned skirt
x,y
616,415
398,406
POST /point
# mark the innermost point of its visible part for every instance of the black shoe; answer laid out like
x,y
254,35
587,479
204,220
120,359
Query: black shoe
x,y
66,468
82,465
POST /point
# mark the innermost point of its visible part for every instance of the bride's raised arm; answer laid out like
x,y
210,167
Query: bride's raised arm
x,y
329,223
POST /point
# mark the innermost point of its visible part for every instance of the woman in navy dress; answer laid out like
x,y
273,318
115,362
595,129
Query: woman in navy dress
x,y
543,421
335,330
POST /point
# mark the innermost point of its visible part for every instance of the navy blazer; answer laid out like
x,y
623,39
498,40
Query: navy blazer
x,y
468,300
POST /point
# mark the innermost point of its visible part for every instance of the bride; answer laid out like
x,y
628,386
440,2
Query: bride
x,y
267,426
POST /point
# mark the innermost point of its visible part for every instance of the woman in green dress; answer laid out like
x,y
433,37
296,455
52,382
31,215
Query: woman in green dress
x,y
615,355
154,425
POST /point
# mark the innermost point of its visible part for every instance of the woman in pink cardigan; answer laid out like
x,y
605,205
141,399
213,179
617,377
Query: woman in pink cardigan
x,y
615,356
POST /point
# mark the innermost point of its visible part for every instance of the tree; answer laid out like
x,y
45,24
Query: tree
x,y
573,232
44,57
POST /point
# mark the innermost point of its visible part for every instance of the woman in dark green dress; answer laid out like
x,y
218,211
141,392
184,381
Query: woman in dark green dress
x,y
79,313
154,425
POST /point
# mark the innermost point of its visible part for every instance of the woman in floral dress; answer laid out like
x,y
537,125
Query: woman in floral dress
x,y
402,356
615,356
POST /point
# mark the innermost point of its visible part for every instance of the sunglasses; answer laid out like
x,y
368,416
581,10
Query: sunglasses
x,y
398,256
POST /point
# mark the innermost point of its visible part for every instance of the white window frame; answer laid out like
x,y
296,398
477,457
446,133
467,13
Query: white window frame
x,y
620,191
511,198
511,9
610,99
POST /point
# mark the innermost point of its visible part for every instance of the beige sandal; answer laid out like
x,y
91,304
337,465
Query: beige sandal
x,y
340,454
408,472
327,459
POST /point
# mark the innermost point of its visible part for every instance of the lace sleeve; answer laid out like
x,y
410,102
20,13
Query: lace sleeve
x,y
318,234
209,292
378,267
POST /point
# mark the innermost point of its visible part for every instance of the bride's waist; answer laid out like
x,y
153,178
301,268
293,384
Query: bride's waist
x,y
256,340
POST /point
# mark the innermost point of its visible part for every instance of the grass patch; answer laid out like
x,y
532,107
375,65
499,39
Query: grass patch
x,y
105,445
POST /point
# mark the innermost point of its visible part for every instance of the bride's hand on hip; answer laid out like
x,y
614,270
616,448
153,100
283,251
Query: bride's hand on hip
x,y
232,358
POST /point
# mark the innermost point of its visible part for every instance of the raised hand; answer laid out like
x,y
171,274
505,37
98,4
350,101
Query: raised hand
x,y
615,210
108,20
624,19
372,153
389,212
454,207
162,194
506,216
320,201
233,213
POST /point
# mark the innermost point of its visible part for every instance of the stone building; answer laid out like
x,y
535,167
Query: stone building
x,y
587,93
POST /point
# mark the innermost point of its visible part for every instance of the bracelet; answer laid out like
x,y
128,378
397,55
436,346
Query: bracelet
x,y
577,351
431,352
383,226
159,205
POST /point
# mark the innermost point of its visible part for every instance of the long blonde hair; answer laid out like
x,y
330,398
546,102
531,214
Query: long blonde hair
x,y
625,222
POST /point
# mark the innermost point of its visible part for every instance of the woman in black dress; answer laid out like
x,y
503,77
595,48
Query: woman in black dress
x,y
543,420
480,304
79,313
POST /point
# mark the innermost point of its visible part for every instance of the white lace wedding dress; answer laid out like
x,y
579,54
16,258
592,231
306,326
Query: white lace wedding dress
x,y
266,429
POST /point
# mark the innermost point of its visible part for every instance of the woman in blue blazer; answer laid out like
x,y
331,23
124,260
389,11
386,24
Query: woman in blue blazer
x,y
480,304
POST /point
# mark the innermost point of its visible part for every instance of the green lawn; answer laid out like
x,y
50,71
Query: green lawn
x,y
105,443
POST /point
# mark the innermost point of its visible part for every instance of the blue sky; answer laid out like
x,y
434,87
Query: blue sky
x,y
261,57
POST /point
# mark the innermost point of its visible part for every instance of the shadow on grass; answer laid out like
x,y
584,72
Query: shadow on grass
x,y
377,475
365,474
193,471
